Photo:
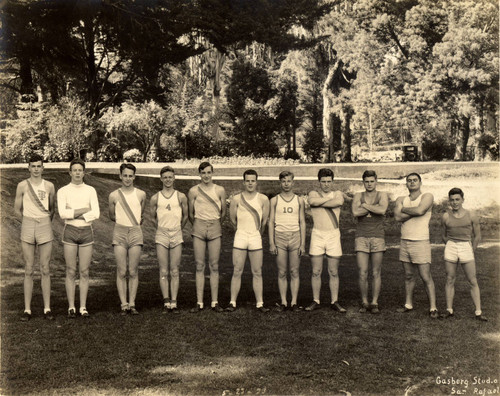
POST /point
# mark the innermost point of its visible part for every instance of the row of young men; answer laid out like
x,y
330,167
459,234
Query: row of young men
x,y
249,212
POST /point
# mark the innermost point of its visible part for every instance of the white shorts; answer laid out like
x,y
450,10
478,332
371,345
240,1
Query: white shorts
x,y
325,243
247,240
458,252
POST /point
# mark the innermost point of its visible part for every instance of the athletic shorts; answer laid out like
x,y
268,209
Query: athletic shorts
x,y
78,236
369,244
415,252
206,230
168,238
325,243
247,240
36,231
127,237
458,252
287,240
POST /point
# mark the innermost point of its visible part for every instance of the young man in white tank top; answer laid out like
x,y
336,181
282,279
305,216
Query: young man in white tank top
x,y
169,210
249,212
287,238
34,206
207,209
126,209
414,212
461,233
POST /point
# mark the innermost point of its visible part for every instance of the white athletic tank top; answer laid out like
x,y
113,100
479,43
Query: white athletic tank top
x,y
169,211
286,214
134,204
326,219
30,209
416,228
249,214
207,205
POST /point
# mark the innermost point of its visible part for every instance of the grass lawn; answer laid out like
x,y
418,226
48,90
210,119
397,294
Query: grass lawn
x,y
244,352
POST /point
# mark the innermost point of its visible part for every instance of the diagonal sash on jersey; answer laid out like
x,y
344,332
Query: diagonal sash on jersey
x,y
35,199
253,212
209,199
126,208
331,214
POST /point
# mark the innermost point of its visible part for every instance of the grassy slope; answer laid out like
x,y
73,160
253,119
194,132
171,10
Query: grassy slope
x,y
316,353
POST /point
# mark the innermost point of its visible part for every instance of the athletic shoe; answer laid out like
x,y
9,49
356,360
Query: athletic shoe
x,y
230,308
133,311
314,305
71,314
296,308
196,309
263,309
447,315
374,309
165,310
404,310
217,308
123,312
175,310
481,318
337,307
25,317
280,307
84,313
48,315
434,314
364,308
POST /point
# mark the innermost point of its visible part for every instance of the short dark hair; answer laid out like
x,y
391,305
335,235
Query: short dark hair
x,y
413,174
126,165
369,173
454,191
286,173
35,158
205,164
249,172
166,169
325,172
77,161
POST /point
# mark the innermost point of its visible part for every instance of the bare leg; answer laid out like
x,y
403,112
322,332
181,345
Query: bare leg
x,y
199,247
333,271
409,282
213,262
70,254
29,259
317,269
175,261
377,278
121,273
425,274
470,273
363,260
134,255
281,262
451,274
294,259
85,256
255,257
239,258
162,254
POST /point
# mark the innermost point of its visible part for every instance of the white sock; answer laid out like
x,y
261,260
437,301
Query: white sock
x,y
260,304
45,310
408,306
478,312
200,305
233,303
28,311
450,310
316,301
214,303
82,309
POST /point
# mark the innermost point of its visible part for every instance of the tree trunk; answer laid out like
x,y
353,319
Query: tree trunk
x,y
345,138
328,112
220,58
463,131
26,79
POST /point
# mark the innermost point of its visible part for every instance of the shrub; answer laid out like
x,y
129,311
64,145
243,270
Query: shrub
x,y
133,155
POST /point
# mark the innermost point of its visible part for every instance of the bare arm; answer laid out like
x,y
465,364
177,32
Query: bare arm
x,y
222,197
184,206
357,209
112,206
233,207
379,208
302,226
191,198
398,214
315,200
272,217
18,203
153,204
265,213
476,229
142,198
422,208
444,221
